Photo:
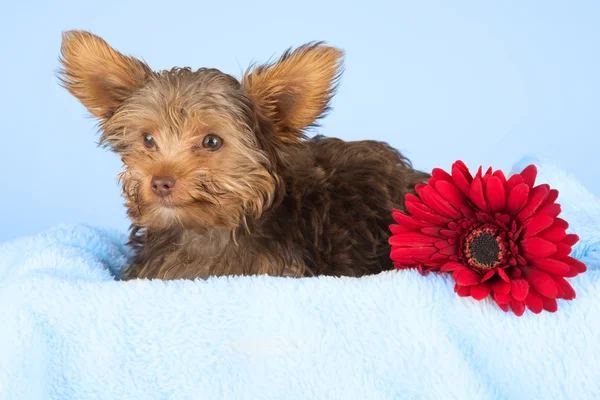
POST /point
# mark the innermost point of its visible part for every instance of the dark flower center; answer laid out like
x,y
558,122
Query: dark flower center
x,y
484,248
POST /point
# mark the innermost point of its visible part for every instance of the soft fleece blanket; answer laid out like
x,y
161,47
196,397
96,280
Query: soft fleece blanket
x,y
68,330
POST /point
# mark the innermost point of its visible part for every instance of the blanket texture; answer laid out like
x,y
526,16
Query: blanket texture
x,y
68,330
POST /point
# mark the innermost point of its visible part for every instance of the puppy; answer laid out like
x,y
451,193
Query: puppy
x,y
219,176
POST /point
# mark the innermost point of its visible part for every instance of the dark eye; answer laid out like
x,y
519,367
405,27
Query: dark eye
x,y
149,141
212,142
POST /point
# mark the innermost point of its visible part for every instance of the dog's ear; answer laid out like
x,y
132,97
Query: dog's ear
x,y
294,92
98,75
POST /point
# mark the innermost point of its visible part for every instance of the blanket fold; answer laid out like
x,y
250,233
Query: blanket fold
x,y
68,330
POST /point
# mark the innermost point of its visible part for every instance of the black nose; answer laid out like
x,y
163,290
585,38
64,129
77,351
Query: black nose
x,y
162,185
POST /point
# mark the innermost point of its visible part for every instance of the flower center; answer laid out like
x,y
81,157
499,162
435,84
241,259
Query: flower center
x,y
484,248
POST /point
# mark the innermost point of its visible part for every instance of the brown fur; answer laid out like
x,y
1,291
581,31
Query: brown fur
x,y
269,201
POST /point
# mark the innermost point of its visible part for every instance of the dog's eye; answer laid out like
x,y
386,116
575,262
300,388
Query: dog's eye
x,y
149,141
212,142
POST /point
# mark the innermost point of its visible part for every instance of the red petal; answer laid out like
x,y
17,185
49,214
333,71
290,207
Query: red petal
x,y
576,264
519,289
503,275
412,197
467,278
450,250
451,193
441,175
449,234
480,292
422,270
484,180
432,231
560,223
467,211
533,301
413,252
537,247
395,229
483,216
537,195
479,172
460,164
568,293
571,239
453,266
476,194
501,298
513,181
437,260
551,265
456,273
552,210
571,274
423,212
408,221
404,263
518,307
495,194
441,244
562,250
552,196
502,219
500,175
503,307
550,305
461,177
437,203
517,198
553,234
529,174
462,291
412,239
536,224
541,282
488,275
501,287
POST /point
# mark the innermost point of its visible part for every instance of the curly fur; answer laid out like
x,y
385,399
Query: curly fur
x,y
270,201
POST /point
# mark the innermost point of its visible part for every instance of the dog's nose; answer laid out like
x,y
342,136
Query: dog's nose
x,y
162,185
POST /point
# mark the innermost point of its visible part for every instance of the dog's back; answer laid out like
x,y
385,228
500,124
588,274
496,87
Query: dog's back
x,y
339,213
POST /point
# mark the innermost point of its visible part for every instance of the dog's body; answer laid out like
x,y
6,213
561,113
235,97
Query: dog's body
x,y
220,179
332,218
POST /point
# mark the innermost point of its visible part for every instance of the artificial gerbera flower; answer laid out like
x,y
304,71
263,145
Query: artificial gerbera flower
x,y
500,238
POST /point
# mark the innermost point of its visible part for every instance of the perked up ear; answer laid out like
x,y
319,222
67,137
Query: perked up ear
x,y
100,77
294,92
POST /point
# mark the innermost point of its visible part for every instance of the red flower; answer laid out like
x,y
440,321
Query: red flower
x,y
498,237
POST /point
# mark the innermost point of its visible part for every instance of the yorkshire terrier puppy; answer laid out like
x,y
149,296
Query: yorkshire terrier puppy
x,y
219,175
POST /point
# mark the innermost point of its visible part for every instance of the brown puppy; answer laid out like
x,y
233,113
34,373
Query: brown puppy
x,y
219,177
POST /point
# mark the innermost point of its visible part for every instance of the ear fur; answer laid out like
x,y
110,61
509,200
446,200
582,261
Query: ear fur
x,y
295,91
100,77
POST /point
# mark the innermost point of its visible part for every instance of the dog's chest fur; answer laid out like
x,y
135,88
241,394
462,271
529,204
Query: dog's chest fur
x,y
186,254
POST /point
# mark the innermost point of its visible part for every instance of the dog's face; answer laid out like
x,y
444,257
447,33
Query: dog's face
x,y
200,148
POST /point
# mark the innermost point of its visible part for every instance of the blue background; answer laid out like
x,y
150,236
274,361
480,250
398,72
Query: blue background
x,y
486,82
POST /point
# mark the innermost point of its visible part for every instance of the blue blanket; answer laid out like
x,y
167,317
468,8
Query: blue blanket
x,y
68,330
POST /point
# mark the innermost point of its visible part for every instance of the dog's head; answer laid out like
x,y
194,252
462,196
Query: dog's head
x,y
200,148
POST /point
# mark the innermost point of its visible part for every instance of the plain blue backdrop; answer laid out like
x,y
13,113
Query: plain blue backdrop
x,y
482,81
